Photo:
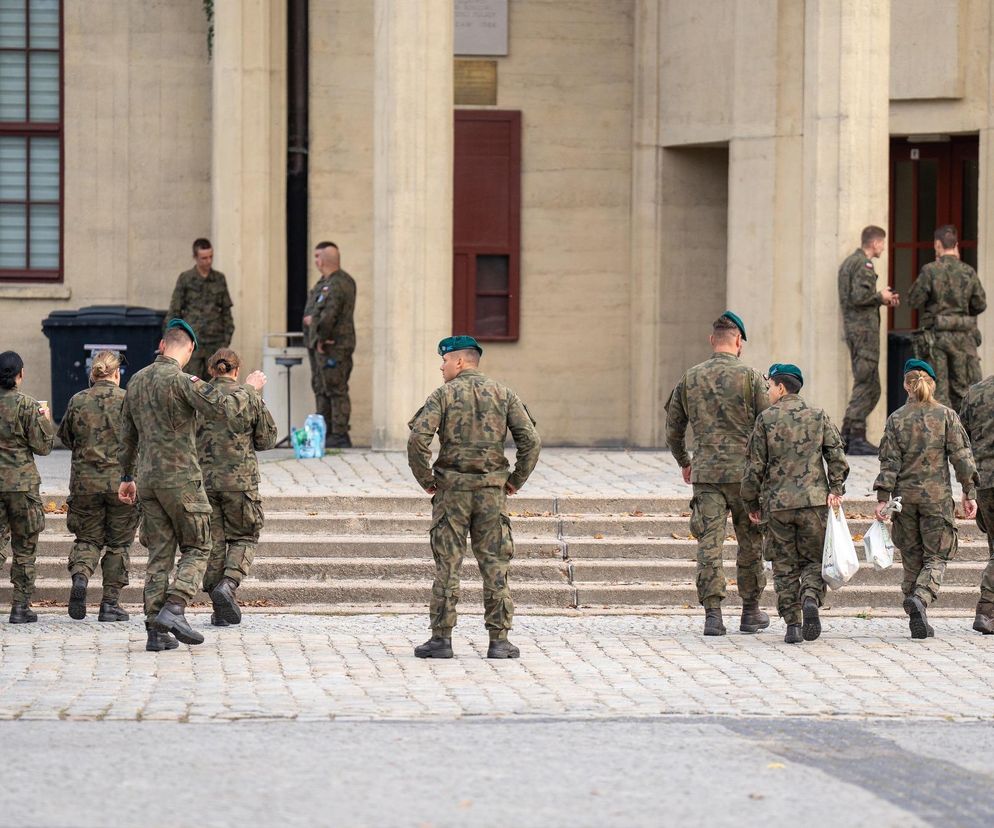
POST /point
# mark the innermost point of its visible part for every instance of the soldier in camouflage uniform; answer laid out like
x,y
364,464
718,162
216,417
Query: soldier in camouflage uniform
x,y
976,416
26,429
949,297
720,399
201,298
316,297
159,431
920,440
231,476
469,483
333,334
96,517
861,301
785,478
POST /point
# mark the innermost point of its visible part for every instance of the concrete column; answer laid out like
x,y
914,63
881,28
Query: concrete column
x,y
412,207
248,166
846,158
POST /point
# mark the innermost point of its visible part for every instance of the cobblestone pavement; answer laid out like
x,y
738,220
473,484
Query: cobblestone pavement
x,y
281,667
560,472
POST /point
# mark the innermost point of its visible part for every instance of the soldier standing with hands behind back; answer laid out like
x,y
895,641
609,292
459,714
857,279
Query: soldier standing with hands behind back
x,y
316,297
861,302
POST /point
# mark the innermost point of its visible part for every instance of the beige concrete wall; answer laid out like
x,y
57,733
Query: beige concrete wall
x,y
137,165
570,362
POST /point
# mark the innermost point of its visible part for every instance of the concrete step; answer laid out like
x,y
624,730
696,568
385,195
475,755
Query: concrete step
x,y
273,569
291,593
684,595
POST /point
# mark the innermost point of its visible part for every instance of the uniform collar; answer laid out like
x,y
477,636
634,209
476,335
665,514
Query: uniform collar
x,y
722,355
102,382
949,257
169,360
223,379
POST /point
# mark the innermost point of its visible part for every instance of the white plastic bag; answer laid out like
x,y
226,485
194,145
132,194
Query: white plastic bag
x,y
838,561
877,546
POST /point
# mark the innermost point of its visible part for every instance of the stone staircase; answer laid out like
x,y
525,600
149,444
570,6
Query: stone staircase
x,y
370,552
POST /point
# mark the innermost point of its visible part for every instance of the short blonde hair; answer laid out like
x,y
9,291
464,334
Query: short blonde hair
x,y
104,364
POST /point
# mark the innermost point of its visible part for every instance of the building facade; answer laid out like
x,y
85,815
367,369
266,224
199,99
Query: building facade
x,y
639,166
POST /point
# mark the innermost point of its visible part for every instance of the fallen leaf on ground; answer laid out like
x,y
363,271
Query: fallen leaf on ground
x,y
598,536
776,765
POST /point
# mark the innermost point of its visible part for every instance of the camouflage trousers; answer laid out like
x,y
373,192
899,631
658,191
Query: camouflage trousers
x,y
235,525
709,510
985,522
864,354
956,364
927,537
333,402
101,521
482,514
174,518
796,540
21,519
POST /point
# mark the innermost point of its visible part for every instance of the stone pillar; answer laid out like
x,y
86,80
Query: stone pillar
x,y
412,207
845,181
248,172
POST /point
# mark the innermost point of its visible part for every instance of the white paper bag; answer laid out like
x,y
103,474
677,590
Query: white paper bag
x,y
839,561
877,546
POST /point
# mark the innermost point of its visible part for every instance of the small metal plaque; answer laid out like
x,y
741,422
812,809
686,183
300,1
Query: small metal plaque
x,y
480,27
476,82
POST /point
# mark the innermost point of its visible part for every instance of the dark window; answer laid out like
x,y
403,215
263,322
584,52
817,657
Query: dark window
x,y
487,224
30,140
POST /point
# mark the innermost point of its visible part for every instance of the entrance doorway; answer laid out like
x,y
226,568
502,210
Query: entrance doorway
x,y
931,183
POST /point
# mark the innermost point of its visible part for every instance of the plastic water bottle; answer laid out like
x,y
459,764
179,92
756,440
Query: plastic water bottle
x,y
301,444
316,430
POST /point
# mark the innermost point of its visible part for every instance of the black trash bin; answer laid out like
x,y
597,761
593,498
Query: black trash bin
x,y
75,335
899,351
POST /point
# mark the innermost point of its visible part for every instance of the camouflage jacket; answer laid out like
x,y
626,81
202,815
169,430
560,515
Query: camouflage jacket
x,y
949,294
335,310
158,423
316,297
472,415
227,447
788,451
858,294
24,432
206,304
977,416
920,441
91,429
720,399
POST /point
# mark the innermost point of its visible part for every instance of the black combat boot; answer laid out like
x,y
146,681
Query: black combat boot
x,y
110,610
917,617
812,623
335,441
794,634
435,647
223,598
21,613
172,618
984,621
753,618
158,640
77,596
713,624
858,446
502,648
217,621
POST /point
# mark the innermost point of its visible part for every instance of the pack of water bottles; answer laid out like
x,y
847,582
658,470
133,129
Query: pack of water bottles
x,y
308,442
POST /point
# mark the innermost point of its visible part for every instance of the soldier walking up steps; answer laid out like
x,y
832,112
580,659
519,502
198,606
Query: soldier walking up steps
x,y
469,483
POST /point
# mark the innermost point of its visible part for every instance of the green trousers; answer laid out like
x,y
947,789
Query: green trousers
x,y
927,537
985,521
101,522
796,541
22,516
236,522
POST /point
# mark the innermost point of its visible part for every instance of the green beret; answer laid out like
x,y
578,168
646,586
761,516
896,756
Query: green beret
x,y
786,369
458,343
185,327
734,317
919,365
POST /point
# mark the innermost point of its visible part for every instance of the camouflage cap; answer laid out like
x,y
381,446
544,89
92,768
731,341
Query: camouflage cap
x,y
458,343
185,326
737,320
919,365
786,369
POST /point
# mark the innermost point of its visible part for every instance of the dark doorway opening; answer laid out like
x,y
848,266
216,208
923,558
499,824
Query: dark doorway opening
x,y
297,248
931,183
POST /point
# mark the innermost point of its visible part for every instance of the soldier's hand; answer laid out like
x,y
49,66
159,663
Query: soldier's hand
x,y
969,508
510,489
888,296
431,489
127,493
879,511
834,501
307,319
755,517
256,379
319,347
686,473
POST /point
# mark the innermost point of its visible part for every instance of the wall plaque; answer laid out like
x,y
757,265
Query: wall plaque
x,y
476,83
481,27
